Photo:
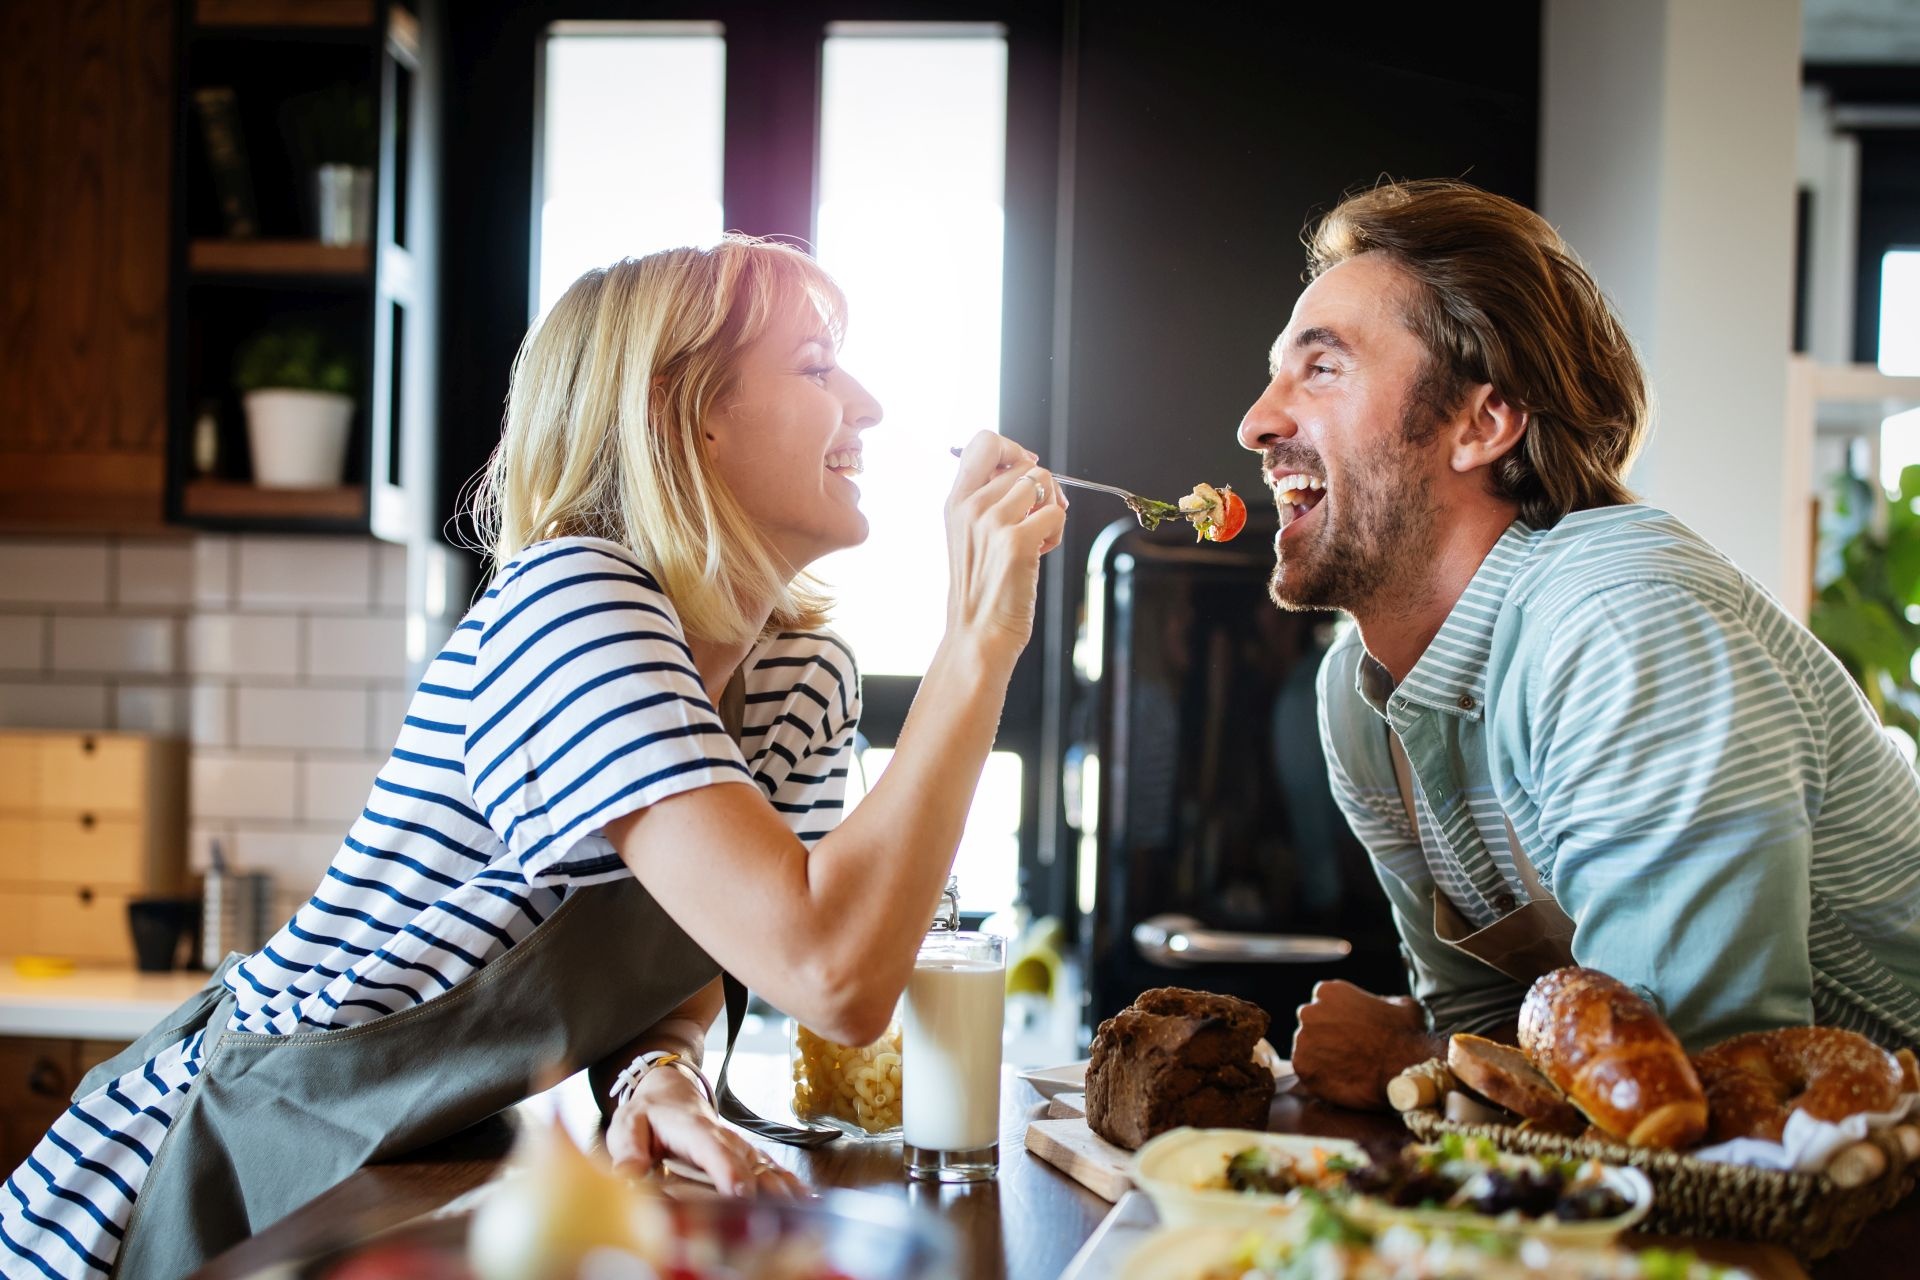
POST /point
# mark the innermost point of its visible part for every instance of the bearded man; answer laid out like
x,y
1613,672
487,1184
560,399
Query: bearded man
x,y
1567,729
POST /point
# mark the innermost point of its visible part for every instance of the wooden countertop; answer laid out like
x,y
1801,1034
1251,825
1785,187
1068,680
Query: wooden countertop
x,y
1026,1226
91,1003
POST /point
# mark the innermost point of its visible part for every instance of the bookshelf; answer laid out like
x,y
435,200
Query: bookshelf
x,y
219,256
267,92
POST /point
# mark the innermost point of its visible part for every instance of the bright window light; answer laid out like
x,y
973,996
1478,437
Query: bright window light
x,y
1900,312
631,132
989,856
912,179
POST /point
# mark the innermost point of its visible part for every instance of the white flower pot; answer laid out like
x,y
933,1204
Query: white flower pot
x,y
299,438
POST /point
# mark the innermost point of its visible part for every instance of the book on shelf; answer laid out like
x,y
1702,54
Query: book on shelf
x,y
227,159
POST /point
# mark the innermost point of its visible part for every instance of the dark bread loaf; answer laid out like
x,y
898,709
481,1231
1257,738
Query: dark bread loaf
x,y
1177,1057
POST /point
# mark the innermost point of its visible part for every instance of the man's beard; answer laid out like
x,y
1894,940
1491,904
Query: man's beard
x,y
1374,543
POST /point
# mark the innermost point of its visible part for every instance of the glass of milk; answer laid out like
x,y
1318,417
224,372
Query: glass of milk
x,y
950,1024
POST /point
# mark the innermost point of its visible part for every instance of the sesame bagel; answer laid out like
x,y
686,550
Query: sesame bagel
x,y
1755,1081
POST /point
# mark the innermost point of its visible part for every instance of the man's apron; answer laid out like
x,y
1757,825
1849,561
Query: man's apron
x,y
1534,939
273,1121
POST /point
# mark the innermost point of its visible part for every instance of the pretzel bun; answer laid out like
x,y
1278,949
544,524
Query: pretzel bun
x,y
1614,1058
1755,1081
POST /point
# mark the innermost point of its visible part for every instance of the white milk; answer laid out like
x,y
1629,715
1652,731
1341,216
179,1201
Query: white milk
x,y
950,1055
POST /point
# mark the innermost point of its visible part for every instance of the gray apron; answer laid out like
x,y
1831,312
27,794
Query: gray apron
x,y
273,1121
1533,939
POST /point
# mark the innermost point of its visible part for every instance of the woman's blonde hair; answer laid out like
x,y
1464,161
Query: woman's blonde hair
x,y
1500,299
604,430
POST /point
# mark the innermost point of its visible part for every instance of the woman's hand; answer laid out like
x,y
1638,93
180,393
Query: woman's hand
x,y
669,1116
1004,513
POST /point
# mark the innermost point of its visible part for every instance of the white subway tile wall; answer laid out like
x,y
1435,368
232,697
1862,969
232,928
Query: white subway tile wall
x,y
305,573
153,573
116,644
281,659
44,571
238,644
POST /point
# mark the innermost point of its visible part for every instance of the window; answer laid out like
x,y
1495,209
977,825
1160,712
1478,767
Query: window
x,y
1900,356
885,146
631,122
912,172
910,221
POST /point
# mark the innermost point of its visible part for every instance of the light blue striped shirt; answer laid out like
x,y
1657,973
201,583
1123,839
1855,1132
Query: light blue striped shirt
x,y
1691,773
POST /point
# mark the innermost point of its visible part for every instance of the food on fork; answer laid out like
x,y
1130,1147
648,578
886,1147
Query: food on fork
x,y
1177,1057
1217,514
1755,1081
1615,1058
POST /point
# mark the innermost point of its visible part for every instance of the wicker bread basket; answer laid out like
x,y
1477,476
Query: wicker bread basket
x,y
1807,1213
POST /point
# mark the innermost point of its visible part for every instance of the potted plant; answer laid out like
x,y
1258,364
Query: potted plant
x,y
1867,610
298,391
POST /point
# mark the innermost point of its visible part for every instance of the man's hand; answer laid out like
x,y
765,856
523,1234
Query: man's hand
x,y
1350,1043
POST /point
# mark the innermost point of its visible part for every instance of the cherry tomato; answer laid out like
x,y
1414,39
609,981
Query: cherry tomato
x,y
1233,517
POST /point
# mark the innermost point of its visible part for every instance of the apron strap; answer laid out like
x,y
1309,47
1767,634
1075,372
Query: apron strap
x,y
1522,865
733,707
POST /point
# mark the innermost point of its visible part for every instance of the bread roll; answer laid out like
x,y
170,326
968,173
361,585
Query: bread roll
x,y
1614,1058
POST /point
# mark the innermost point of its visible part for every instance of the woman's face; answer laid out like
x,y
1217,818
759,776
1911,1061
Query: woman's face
x,y
787,441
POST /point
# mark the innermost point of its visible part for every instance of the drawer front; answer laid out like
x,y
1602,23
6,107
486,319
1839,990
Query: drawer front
x,y
36,1073
94,773
82,924
19,852
76,849
19,768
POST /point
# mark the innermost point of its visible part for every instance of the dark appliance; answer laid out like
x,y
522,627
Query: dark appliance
x,y
1199,790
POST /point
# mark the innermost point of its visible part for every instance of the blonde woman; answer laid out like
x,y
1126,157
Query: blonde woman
x,y
621,776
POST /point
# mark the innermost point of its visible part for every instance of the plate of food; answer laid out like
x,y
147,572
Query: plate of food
x,y
1237,1175
1322,1243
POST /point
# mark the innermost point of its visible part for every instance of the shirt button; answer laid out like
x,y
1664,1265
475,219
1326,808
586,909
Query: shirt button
x,y
1466,702
1504,902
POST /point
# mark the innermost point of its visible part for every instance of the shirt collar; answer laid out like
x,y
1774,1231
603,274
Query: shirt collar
x,y
1451,675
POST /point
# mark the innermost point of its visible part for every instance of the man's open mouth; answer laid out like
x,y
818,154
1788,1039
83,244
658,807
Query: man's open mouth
x,y
844,462
1297,494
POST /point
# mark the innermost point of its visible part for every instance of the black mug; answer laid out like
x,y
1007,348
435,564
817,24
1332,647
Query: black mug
x,y
158,926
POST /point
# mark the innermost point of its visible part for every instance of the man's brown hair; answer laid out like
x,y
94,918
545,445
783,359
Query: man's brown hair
x,y
1500,299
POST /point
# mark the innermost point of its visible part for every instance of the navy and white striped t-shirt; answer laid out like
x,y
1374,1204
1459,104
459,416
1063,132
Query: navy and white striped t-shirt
x,y
565,699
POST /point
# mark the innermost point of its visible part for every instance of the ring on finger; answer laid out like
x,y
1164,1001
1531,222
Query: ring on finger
x,y
1039,491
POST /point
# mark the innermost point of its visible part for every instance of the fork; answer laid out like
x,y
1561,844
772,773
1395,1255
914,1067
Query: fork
x,y
1149,511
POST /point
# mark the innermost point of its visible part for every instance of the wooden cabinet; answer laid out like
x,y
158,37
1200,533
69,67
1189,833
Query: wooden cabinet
x,y
245,264
86,135
88,821
37,1080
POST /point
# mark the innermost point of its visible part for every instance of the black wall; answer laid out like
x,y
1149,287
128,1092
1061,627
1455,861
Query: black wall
x,y
1200,140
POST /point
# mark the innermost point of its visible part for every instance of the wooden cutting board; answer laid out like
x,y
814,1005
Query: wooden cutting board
x,y
1083,1155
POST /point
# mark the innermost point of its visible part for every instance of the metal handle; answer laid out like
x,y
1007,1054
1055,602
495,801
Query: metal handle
x,y
1179,942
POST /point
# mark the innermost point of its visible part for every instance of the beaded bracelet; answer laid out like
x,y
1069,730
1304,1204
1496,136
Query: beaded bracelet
x,y
628,1081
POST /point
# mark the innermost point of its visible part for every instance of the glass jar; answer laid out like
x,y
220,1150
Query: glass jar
x,y
856,1089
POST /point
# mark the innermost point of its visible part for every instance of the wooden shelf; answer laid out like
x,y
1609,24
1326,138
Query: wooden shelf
x,y
278,258
236,500
283,13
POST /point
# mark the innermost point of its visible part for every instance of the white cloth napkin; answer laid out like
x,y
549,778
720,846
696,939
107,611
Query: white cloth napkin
x,y
1807,1144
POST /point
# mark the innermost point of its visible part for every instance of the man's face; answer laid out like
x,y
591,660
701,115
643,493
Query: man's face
x,y
1341,415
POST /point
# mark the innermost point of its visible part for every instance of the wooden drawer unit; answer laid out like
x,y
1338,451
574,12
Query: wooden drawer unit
x,y
37,1079
87,822
94,772
79,922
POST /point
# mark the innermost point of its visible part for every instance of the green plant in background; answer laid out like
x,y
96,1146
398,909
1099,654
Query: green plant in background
x,y
292,359
1867,609
333,125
